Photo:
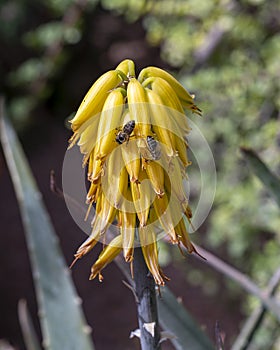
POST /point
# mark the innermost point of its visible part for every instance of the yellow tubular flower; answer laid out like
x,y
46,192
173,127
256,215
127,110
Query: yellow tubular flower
x,y
132,132
150,253
115,179
177,186
87,246
127,67
165,217
109,121
132,161
90,167
138,108
94,100
107,215
185,97
142,197
160,117
127,227
108,254
96,170
170,99
94,237
155,173
167,94
88,138
181,92
130,154
183,236
93,192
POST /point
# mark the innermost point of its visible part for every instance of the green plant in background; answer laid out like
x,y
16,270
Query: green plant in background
x,y
48,42
62,321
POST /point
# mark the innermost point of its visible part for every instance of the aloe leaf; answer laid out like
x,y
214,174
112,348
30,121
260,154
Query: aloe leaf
x,y
270,181
30,337
62,321
4,345
174,318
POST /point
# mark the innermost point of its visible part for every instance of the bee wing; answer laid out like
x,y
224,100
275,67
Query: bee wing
x,y
144,149
157,151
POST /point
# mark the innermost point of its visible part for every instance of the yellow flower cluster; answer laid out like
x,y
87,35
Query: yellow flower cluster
x,y
132,133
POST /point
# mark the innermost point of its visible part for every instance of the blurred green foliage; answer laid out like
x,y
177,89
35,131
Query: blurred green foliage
x,y
44,38
62,321
46,34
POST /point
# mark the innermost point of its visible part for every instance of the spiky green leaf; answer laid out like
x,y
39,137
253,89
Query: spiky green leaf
x,y
62,321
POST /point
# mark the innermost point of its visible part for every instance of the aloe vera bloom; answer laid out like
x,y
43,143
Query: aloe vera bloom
x,y
132,132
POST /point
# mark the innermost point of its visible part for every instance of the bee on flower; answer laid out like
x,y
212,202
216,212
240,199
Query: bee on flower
x,y
132,134
125,133
151,149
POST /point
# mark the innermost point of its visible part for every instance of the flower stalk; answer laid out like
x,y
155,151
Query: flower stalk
x,y
146,304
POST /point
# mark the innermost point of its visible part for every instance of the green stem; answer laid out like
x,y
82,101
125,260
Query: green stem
x,y
146,303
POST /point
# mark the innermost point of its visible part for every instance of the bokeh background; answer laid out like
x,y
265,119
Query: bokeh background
x,y
226,52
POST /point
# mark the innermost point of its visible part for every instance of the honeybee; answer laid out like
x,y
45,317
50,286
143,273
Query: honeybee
x,y
150,148
124,134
